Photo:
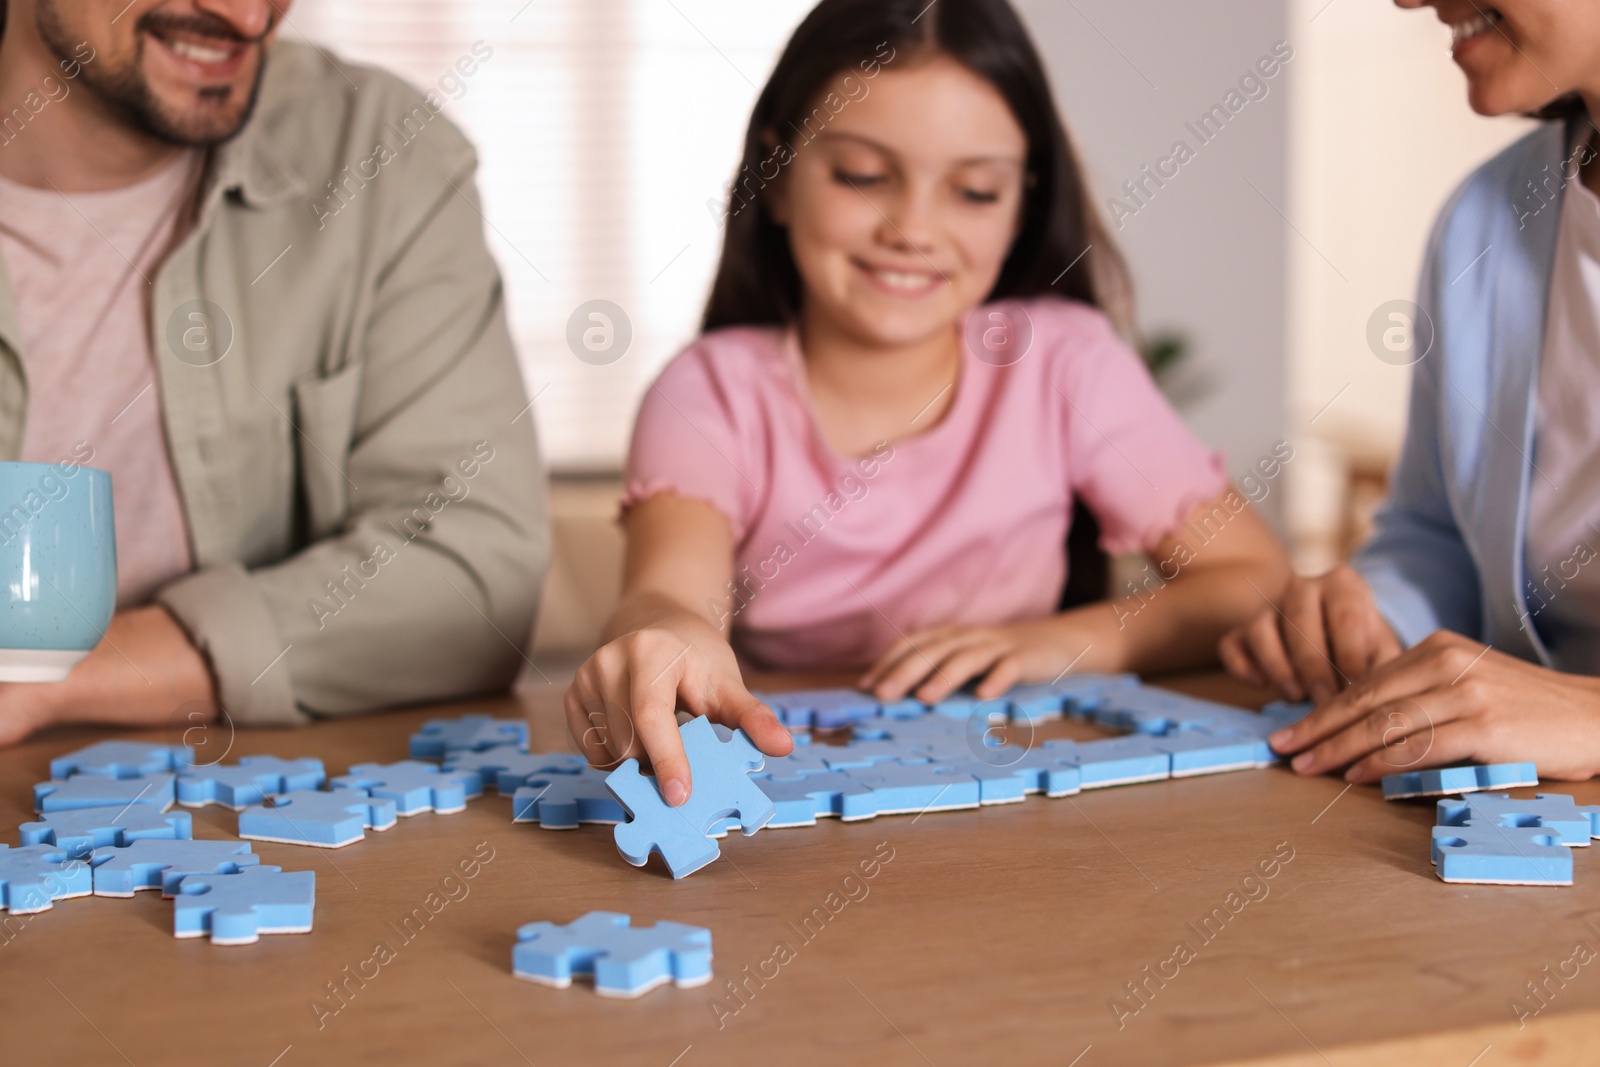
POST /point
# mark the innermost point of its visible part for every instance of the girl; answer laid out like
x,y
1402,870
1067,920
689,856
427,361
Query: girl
x,y
1483,565
908,373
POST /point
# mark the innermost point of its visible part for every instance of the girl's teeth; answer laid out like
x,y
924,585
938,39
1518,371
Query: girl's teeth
x,y
897,280
1461,32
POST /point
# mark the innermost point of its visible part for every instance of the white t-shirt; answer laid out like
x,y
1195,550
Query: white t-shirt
x,y
1563,549
80,267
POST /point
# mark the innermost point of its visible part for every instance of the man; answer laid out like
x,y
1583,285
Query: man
x,y
250,281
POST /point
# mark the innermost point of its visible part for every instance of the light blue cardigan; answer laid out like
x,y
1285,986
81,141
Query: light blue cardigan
x,y
1450,542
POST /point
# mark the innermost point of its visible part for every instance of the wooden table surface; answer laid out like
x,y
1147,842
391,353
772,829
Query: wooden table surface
x,y
1002,936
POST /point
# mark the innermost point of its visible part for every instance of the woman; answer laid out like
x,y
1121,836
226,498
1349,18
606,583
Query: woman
x,y
1483,568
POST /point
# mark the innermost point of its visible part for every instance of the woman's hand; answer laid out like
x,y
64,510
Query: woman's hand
x,y
1327,636
624,699
932,664
1452,699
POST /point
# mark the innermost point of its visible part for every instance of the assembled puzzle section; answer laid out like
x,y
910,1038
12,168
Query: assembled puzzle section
x,y
1444,781
722,788
624,960
1496,839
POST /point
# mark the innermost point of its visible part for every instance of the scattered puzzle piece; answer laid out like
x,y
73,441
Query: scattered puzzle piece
x,y
250,781
562,801
326,820
82,830
122,759
160,865
97,791
414,787
34,876
509,770
236,909
470,733
1446,780
721,788
1556,812
1501,855
625,960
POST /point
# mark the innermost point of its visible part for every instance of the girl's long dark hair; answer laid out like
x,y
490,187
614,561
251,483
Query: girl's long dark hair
x,y
757,283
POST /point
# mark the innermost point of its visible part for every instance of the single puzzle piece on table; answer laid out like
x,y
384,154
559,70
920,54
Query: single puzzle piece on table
x,y
624,960
80,831
509,770
913,788
1446,780
562,801
122,759
33,877
250,781
96,791
802,799
722,787
413,786
1557,812
160,865
236,909
324,820
470,733
1494,854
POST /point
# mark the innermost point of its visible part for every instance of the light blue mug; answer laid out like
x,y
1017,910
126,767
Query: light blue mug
x,y
58,567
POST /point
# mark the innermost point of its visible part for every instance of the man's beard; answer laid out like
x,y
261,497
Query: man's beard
x,y
127,94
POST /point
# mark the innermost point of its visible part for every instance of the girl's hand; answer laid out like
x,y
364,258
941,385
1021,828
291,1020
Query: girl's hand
x,y
1327,636
624,699
934,663
1447,700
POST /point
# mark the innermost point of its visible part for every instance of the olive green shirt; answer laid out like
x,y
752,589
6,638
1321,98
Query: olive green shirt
x,y
346,422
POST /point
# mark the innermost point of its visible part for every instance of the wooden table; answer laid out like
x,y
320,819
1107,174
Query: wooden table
x,y
1004,936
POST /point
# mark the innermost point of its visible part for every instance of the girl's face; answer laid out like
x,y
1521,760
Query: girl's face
x,y
1519,55
901,212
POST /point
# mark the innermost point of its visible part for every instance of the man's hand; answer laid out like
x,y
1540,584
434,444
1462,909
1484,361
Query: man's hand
x,y
1451,699
143,670
1327,636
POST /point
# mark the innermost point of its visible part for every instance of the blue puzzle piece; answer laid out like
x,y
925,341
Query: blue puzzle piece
x,y
1051,768
562,801
122,759
326,820
1116,760
1198,751
722,787
965,706
509,770
33,876
82,830
997,783
801,800
1556,812
250,781
858,755
1446,780
159,865
1501,855
810,760
236,909
625,960
96,791
823,709
913,788
1281,713
469,733
414,787
1157,711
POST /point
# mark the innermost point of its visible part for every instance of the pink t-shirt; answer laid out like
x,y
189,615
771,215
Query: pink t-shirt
x,y
965,523
80,267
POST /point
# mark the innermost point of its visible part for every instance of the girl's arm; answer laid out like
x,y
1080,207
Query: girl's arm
x,y
665,649
1189,595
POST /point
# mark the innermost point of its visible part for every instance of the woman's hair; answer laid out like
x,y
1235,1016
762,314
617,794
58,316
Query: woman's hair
x,y
840,46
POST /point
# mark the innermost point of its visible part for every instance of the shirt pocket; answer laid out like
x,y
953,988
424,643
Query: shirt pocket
x,y
325,415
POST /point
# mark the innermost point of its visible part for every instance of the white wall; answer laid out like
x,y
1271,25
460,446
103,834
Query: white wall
x,y
1209,250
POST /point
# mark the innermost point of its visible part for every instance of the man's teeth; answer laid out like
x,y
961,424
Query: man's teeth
x,y
200,53
1461,32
